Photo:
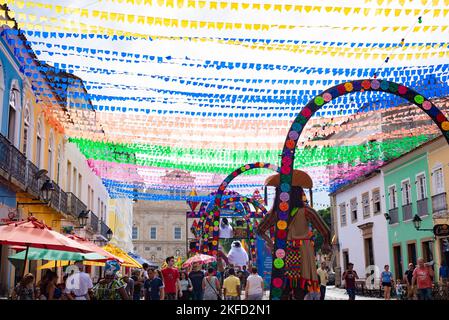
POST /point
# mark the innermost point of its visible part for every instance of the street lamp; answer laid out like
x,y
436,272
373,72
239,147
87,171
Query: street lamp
x,y
82,218
109,234
47,190
417,223
387,217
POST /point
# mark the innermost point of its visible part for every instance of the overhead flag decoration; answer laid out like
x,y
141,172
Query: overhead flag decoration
x,y
147,86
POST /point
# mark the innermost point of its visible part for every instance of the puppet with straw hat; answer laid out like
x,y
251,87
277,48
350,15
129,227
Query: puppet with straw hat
x,y
300,271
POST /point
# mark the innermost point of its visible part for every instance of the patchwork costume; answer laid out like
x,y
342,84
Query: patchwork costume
x,y
300,277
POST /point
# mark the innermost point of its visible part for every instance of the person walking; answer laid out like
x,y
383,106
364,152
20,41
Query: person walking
x,y
231,286
254,286
323,277
170,277
154,287
78,284
25,290
422,277
387,281
196,278
211,286
138,285
145,267
408,279
129,285
349,276
186,286
111,287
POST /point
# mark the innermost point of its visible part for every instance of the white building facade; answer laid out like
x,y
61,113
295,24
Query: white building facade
x,y
361,225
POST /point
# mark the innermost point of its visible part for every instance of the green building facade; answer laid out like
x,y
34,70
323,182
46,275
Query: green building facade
x,y
407,193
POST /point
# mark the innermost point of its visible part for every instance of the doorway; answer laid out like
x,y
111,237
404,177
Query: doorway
x,y
369,253
397,257
345,259
411,253
427,250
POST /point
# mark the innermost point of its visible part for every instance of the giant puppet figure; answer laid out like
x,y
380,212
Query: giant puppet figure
x,y
300,263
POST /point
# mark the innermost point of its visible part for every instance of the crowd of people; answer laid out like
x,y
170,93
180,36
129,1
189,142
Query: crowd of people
x,y
417,283
195,283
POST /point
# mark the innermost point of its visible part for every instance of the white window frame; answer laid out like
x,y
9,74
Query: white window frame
x,y
418,193
174,233
392,196
343,215
377,190
435,188
404,192
364,205
50,154
151,228
351,206
39,146
26,132
137,233
15,89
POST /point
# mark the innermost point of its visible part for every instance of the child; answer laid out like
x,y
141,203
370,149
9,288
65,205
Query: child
x,y
399,290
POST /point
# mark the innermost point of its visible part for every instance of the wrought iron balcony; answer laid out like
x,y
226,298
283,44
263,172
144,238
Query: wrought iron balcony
x,y
393,215
12,163
407,212
75,205
104,229
439,205
21,173
423,207
94,222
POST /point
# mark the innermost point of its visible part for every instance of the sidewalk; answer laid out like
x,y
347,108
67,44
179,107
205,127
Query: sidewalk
x,y
334,293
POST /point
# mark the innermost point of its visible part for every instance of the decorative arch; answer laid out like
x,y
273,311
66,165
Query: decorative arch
x,y
288,153
213,214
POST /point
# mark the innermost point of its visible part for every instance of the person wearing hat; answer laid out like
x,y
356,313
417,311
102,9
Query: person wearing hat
x,y
78,283
300,271
111,287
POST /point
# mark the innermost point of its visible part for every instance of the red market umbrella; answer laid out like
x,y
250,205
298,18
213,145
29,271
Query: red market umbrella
x,y
199,258
36,234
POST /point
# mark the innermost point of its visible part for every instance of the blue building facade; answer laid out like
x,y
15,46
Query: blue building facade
x,y
11,102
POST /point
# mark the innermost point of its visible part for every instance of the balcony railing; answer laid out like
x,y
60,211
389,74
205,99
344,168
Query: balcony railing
x,y
393,215
75,205
407,212
439,204
94,222
104,229
21,172
423,207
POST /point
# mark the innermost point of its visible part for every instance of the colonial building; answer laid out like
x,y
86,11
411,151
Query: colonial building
x,y
159,227
34,152
407,194
361,228
438,159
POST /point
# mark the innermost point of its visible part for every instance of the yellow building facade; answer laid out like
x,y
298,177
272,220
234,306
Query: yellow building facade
x,y
438,159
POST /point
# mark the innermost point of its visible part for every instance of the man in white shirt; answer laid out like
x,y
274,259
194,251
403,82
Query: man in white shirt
x,y
78,283
323,276
254,286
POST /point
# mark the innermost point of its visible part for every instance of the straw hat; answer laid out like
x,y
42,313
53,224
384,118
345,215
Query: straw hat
x,y
300,179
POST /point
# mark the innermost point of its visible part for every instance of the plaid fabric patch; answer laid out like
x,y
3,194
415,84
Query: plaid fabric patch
x,y
292,261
